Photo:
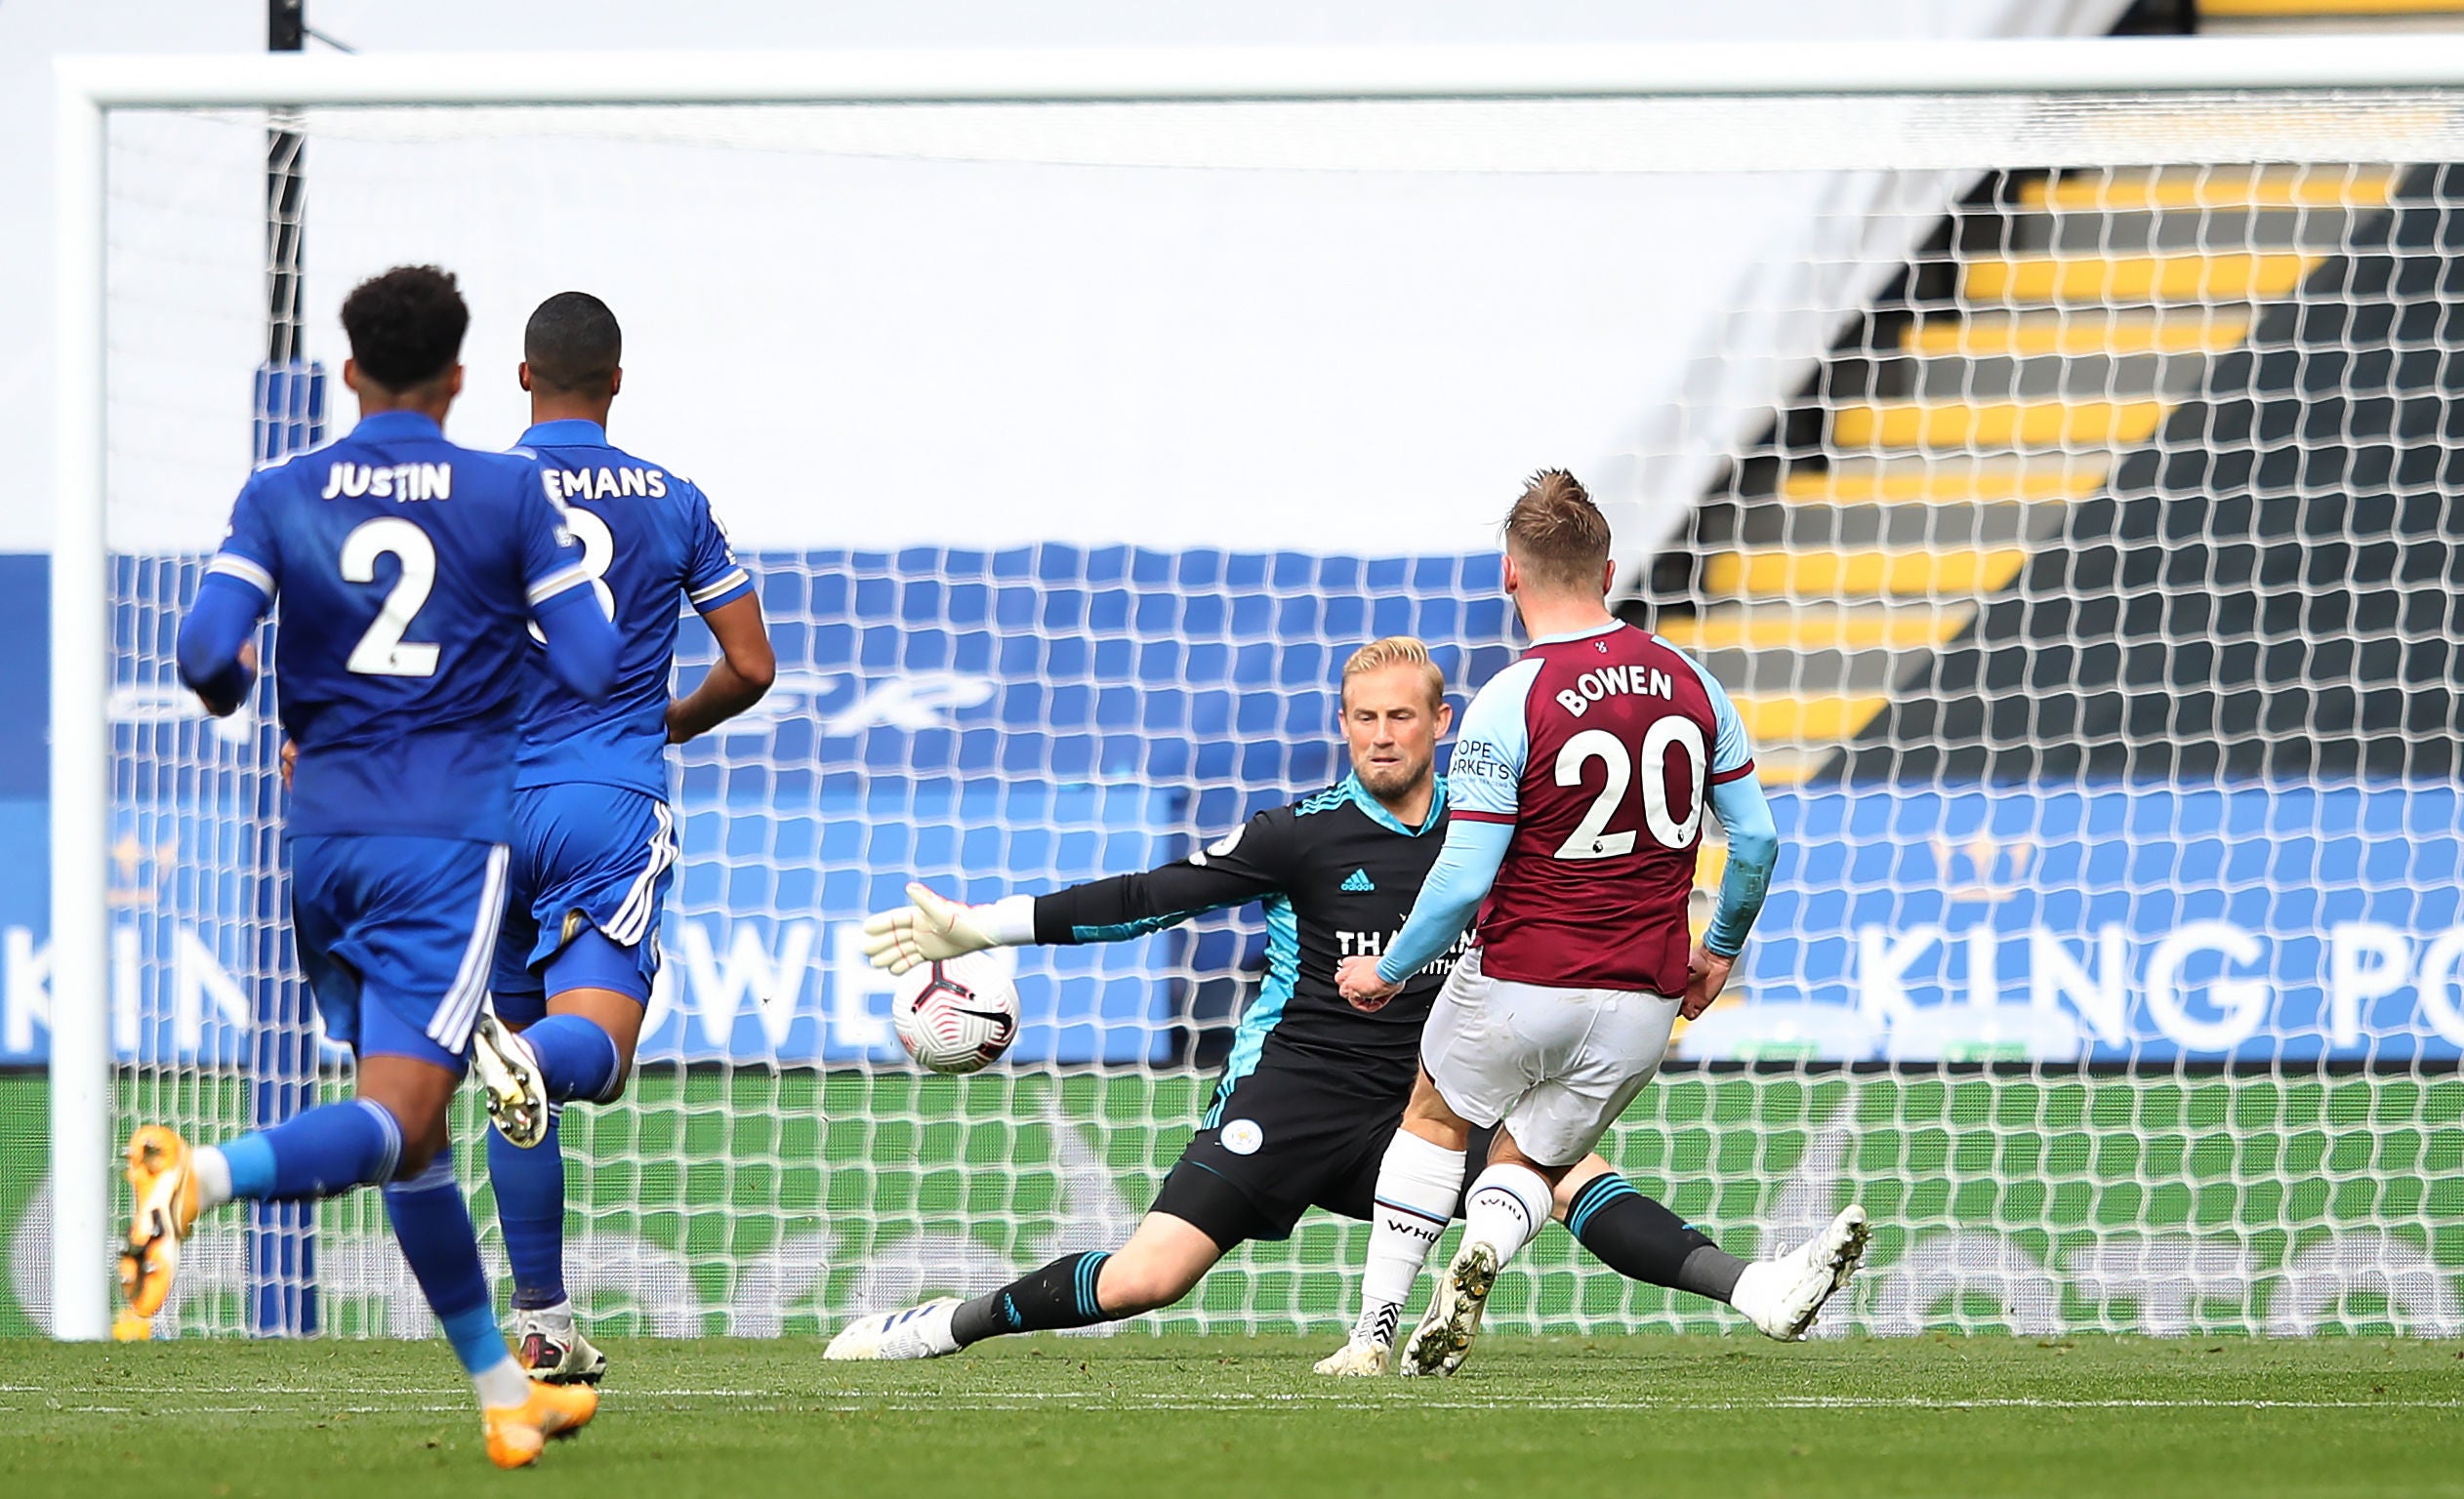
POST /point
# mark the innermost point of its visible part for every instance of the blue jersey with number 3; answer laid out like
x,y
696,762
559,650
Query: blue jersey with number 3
x,y
406,570
648,540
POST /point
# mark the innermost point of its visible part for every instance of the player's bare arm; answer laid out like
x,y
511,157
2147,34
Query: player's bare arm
x,y
739,677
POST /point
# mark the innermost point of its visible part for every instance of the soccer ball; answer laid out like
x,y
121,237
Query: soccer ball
x,y
956,1015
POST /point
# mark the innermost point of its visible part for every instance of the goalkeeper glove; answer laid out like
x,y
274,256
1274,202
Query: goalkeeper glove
x,y
930,928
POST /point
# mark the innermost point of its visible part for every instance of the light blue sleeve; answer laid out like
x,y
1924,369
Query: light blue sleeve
x,y
1753,856
1484,789
1466,866
1732,751
1484,781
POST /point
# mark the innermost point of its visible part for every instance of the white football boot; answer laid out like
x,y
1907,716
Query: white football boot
x,y
918,1332
551,1350
508,1078
1359,1357
1443,1340
1369,1351
1784,1296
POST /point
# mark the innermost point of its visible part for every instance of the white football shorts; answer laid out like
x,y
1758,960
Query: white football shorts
x,y
1555,1065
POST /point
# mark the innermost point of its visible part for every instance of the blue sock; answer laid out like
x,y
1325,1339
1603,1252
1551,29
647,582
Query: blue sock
x,y
530,1209
433,1225
316,1153
577,1058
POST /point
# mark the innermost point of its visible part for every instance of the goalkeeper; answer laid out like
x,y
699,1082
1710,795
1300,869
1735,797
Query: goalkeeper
x,y
1314,1087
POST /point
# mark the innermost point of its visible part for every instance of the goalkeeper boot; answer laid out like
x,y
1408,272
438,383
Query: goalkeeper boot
x,y
552,1351
918,1332
516,1433
1784,1296
1443,1340
162,1182
509,1079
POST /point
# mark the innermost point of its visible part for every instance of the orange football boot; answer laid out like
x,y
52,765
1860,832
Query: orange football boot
x,y
518,1433
162,1181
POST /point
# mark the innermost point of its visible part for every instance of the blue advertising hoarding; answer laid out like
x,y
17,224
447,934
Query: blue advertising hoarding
x,y
2108,923
996,723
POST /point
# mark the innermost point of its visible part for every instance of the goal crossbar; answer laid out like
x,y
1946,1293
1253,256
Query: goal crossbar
x,y
1230,75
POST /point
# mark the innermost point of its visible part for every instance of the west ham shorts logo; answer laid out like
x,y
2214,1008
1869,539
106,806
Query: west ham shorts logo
x,y
1242,1137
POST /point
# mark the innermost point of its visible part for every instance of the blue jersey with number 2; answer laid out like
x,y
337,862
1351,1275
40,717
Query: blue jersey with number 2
x,y
406,569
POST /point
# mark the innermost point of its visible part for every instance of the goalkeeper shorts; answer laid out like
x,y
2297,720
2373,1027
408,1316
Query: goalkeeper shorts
x,y
1279,1141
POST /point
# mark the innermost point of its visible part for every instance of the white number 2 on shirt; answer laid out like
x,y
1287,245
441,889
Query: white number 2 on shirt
x,y
1592,838
381,652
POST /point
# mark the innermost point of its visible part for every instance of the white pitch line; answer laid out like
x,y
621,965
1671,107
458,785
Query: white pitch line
x,y
994,1399
405,1408
407,1391
423,1399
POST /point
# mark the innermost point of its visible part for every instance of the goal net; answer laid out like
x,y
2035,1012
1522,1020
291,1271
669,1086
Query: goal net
x,y
2060,481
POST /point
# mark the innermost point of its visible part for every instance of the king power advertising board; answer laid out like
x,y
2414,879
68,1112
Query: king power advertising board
x,y
1008,721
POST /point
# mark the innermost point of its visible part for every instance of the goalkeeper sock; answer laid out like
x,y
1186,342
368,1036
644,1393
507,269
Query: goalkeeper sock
x,y
1059,1296
1641,1239
577,1058
530,1208
316,1153
1505,1209
1417,1184
433,1225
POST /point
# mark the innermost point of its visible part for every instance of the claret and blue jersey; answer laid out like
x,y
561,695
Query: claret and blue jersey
x,y
1582,777
647,536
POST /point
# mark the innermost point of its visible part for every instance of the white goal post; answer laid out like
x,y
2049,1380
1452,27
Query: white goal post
x,y
2348,71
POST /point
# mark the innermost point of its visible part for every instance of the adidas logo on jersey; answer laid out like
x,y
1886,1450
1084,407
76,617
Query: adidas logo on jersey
x,y
1360,883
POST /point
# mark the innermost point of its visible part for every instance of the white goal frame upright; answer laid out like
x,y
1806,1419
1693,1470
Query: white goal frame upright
x,y
89,87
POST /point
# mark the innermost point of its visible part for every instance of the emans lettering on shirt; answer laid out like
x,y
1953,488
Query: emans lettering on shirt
x,y
1601,682
390,481
611,482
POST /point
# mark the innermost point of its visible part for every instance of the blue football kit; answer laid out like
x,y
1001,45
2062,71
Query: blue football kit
x,y
594,841
409,572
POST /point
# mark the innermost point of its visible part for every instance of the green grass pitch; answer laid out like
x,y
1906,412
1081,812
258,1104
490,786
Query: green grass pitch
x,y
1136,1415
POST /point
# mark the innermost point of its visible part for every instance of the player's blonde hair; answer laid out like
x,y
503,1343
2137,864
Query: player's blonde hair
x,y
1556,534
1396,651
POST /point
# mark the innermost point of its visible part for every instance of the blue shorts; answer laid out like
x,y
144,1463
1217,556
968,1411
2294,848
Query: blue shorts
x,y
591,871
394,934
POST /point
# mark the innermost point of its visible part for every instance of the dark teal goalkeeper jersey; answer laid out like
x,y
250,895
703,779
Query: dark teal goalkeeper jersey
x,y
1335,875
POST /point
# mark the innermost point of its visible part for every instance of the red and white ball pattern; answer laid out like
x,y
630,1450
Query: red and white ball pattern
x,y
957,1015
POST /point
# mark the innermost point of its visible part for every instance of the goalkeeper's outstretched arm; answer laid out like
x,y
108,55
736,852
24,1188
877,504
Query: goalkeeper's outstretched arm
x,y
1236,870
